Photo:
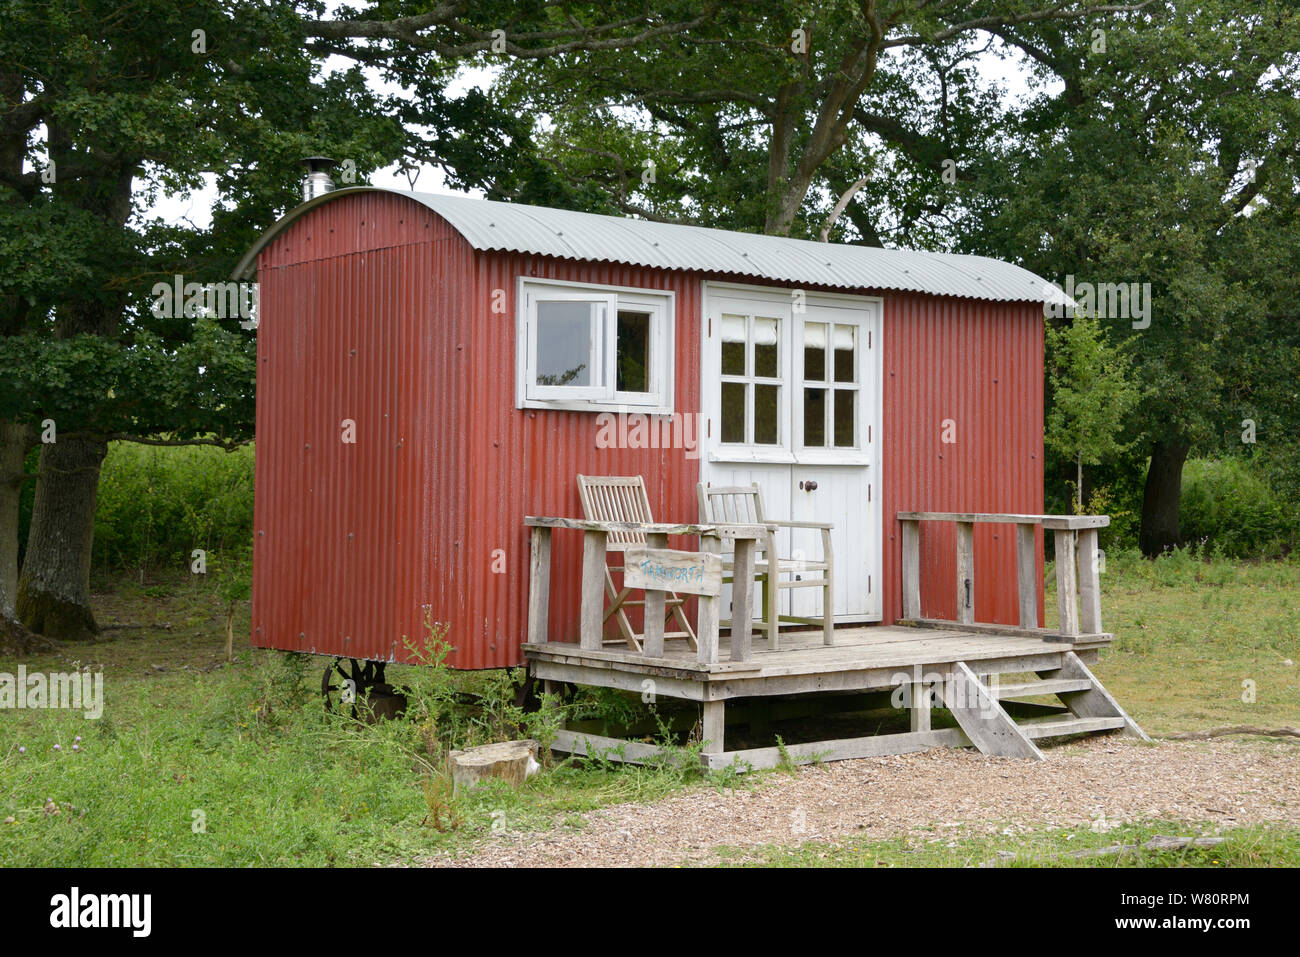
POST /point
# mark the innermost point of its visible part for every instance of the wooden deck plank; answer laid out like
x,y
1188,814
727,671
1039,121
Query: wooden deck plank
x,y
803,654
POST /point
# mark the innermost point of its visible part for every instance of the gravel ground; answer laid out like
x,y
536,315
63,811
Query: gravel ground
x,y
1097,782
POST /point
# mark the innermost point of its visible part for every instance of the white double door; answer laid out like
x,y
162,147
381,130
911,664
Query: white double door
x,y
791,399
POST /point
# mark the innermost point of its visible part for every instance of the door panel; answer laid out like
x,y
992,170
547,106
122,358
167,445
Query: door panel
x,y
791,396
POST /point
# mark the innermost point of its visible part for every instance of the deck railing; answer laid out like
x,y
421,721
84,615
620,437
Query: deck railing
x,y
1078,592
595,540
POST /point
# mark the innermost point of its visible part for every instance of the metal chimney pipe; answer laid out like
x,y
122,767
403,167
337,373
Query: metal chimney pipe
x,y
317,182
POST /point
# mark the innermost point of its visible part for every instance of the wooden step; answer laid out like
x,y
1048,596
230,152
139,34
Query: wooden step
x,y
1059,726
1031,689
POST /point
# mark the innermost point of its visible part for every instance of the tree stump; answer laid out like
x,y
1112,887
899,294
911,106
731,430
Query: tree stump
x,y
510,761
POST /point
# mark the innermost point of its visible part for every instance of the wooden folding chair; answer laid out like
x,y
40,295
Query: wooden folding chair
x,y
623,498
743,504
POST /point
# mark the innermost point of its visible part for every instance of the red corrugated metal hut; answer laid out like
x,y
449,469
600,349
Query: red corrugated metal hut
x,y
432,369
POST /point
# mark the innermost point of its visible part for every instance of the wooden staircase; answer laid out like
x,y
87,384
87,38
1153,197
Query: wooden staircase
x,y
977,705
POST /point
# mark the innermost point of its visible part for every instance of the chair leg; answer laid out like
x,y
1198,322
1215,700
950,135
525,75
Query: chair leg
x,y
828,612
679,616
620,616
771,598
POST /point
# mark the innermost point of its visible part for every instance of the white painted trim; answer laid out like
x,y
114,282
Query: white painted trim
x,y
743,290
662,349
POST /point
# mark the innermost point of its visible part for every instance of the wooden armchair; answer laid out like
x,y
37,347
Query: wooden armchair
x,y
623,498
743,504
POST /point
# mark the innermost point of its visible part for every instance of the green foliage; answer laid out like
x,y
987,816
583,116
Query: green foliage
x,y
157,504
1092,395
1229,508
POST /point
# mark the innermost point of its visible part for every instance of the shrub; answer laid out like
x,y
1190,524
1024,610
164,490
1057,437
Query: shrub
x,y
157,504
1230,509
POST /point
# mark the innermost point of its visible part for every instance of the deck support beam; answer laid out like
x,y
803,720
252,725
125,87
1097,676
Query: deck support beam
x,y
713,717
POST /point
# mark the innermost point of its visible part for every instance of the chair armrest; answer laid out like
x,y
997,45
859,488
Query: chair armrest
x,y
825,526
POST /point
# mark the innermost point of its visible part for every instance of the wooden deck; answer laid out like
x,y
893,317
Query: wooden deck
x,y
913,665
959,668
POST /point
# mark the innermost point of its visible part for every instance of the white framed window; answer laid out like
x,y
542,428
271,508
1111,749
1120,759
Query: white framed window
x,y
752,370
593,348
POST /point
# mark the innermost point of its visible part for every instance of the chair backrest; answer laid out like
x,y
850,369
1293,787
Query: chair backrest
x,y
616,498
731,504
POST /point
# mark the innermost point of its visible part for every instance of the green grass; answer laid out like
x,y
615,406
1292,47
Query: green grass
x,y
277,781
1188,633
274,779
1058,847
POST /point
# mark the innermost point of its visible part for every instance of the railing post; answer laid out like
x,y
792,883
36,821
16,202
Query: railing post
x,y
655,603
592,623
1027,575
742,598
911,568
539,587
966,572
706,628
1066,584
1089,583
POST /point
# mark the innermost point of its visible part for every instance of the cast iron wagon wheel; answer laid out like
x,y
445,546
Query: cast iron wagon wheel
x,y
361,680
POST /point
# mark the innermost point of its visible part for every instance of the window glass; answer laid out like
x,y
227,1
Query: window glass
x,y
733,411
565,332
632,363
845,342
814,418
734,335
814,351
767,414
845,418
766,348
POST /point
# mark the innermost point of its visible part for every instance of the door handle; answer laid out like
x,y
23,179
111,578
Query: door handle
x,y
809,486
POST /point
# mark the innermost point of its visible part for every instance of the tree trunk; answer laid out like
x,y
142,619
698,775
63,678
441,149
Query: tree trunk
x,y
54,587
15,441
1078,483
1160,501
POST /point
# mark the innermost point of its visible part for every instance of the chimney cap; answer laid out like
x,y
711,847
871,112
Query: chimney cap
x,y
318,164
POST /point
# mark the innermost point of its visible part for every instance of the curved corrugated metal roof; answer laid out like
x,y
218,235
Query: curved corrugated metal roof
x,y
589,237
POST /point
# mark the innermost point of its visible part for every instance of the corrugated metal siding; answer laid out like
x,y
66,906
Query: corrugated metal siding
x,y
437,521
525,462
446,467
342,336
565,234
981,366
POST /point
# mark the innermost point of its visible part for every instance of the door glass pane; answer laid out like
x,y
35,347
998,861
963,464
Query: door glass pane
x,y
814,351
767,414
814,418
633,360
564,343
845,340
766,334
734,332
733,411
845,419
